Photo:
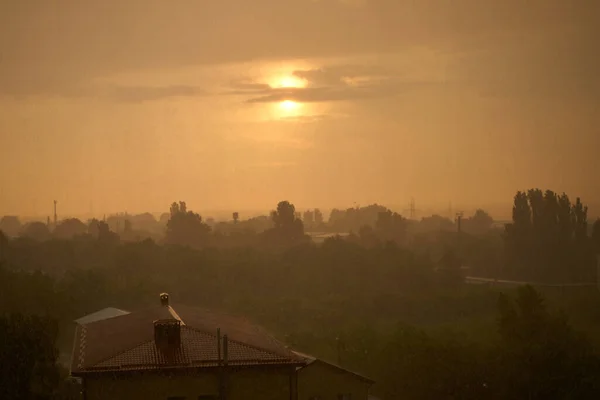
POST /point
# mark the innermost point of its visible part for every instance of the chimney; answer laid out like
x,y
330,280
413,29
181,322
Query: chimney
x,y
167,335
225,350
164,299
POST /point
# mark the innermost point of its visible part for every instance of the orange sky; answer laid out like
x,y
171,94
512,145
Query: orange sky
x,y
113,106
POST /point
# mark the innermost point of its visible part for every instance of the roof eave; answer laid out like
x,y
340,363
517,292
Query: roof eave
x,y
100,371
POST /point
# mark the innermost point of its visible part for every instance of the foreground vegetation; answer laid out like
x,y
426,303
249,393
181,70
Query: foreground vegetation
x,y
387,300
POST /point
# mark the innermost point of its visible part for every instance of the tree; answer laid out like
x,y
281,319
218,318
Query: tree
x,y
415,365
367,237
548,238
69,228
287,227
28,358
185,227
540,356
93,228
391,226
318,217
308,218
3,246
236,217
450,268
596,236
164,218
354,218
479,223
10,225
100,231
37,231
145,221
435,223
127,227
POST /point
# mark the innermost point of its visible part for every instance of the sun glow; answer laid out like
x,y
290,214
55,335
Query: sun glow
x,y
287,86
289,105
288,81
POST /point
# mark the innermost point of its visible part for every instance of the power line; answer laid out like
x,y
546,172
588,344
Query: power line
x,y
412,209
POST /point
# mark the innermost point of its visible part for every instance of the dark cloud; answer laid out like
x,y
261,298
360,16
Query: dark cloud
x,y
558,66
147,93
335,75
96,39
242,86
338,83
325,94
307,118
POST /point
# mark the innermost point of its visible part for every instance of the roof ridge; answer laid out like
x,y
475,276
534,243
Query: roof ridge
x,y
121,352
251,346
104,319
330,364
175,315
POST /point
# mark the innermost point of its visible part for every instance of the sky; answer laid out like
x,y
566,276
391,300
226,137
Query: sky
x,y
235,104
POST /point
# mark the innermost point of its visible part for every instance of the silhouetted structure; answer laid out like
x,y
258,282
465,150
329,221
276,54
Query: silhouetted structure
x,y
182,353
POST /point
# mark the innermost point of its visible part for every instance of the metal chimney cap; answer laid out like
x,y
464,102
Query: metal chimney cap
x,y
164,299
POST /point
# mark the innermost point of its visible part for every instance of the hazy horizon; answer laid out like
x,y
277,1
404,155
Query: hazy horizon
x,y
500,212
236,105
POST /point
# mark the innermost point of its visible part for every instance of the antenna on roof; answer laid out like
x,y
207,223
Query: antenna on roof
x,y
219,346
164,299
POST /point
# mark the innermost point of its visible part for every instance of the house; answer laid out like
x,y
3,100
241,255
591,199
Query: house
x,y
105,313
176,353
321,380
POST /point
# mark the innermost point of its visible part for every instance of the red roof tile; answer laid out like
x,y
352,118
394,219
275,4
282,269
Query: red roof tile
x,y
127,342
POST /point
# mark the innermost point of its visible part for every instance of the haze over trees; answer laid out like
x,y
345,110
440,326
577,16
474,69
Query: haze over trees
x,y
387,299
186,227
548,238
287,227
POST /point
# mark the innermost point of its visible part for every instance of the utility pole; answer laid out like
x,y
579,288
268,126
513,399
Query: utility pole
x,y
459,216
339,351
412,209
55,215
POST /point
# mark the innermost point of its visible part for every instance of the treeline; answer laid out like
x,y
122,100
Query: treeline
x,y
29,367
144,226
550,239
355,288
534,354
415,337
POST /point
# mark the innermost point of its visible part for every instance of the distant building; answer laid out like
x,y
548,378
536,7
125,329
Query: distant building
x,y
320,380
161,353
105,313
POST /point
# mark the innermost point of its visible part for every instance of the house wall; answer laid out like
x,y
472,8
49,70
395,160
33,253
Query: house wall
x,y
268,384
326,383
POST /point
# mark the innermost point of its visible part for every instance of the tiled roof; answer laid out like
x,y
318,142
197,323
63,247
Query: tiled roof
x,y
198,349
308,359
127,342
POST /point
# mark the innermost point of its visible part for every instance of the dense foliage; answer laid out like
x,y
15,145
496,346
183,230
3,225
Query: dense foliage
x,y
387,300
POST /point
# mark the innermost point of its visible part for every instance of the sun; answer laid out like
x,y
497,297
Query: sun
x,y
288,81
289,105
